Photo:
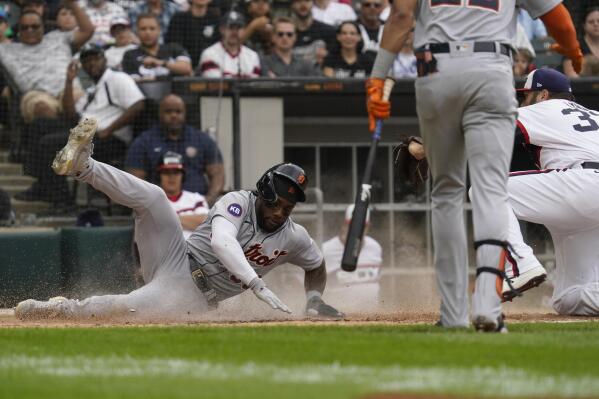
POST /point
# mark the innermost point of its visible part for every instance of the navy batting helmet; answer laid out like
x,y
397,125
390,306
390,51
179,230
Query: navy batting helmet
x,y
284,180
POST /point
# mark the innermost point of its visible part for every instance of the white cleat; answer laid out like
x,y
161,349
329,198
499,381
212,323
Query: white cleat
x,y
525,281
31,309
73,157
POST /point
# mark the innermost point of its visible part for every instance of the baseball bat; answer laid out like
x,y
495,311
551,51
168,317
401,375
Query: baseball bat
x,y
353,241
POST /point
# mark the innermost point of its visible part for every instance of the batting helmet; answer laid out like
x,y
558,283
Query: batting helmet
x,y
286,180
171,161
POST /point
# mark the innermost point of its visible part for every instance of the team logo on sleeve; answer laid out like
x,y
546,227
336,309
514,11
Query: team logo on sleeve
x,y
234,209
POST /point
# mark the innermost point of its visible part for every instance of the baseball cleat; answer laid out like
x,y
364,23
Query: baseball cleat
x,y
73,157
31,309
525,281
484,324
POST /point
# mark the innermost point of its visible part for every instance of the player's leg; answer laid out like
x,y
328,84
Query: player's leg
x,y
157,229
172,297
438,103
565,202
489,123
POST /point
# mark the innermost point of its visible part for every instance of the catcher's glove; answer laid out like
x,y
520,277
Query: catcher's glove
x,y
317,308
410,171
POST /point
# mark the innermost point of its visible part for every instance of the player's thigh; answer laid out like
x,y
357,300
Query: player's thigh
x,y
439,103
167,297
580,301
565,201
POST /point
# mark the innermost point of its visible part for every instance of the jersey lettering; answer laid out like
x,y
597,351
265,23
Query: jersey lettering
x,y
254,254
589,125
437,3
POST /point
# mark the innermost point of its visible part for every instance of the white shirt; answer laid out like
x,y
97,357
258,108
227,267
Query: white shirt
x,y
114,56
216,61
114,93
564,132
101,18
404,66
189,203
360,286
334,13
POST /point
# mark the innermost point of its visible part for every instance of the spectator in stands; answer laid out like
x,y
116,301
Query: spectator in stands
x,y
114,100
163,10
590,66
404,65
65,19
282,62
523,63
40,7
195,29
534,28
124,40
152,60
370,24
4,28
37,63
313,37
191,208
101,13
346,59
204,170
359,289
229,58
332,13
589,42
258,31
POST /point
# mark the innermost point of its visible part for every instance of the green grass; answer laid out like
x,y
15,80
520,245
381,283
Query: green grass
x,y
298,361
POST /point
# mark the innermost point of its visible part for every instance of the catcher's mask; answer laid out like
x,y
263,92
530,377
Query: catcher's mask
x,y
284,180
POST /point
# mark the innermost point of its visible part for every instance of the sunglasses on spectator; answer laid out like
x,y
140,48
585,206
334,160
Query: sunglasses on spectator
x,y
288,34
372,5
30,27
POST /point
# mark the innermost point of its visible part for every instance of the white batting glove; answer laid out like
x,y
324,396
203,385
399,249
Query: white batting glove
x,y
264,294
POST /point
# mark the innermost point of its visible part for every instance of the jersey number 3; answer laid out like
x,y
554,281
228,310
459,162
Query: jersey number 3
x,y
589,124
484,4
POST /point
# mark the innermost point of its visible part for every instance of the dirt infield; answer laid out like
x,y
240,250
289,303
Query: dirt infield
x,y
8,320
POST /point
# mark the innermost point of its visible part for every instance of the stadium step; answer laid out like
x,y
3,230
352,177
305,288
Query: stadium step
x,y
23,207
14,180
14,189
11,169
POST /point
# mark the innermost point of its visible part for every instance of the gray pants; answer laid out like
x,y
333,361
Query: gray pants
x,y
467,114
169,293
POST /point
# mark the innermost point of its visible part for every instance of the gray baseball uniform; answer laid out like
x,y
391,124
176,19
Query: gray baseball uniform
x,y
170,293
467,112
264,251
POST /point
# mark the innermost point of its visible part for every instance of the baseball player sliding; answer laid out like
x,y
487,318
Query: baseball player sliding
x,y
563,138
466,111
246,235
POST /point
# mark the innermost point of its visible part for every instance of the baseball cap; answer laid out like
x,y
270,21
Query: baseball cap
x,y
233,18
119,20
171,161
548,79
349,212
89,50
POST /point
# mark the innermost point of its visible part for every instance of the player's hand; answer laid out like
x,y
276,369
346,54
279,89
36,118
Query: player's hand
x,y
377,108
575,55
317,308
72,70
264,294
152,62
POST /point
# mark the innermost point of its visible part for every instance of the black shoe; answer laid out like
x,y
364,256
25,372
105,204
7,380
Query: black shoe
x,y
482,324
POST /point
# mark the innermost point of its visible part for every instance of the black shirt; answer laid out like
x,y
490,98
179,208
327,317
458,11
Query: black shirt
x,y
359,69
132,60
316,31
193,33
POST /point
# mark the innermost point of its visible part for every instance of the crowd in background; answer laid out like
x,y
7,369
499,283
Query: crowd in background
x,y
67,60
